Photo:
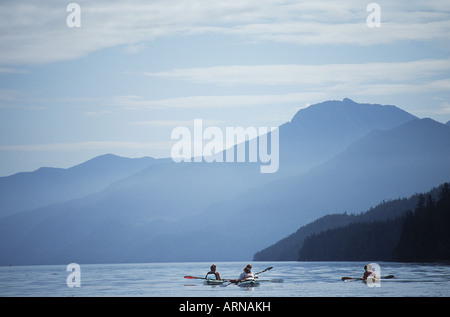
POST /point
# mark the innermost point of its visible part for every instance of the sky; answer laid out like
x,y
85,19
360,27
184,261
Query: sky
x,y
132,71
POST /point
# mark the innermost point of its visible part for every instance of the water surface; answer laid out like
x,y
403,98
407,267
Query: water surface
x,y
301,279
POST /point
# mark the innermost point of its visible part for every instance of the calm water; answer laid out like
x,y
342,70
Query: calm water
x,y
304,279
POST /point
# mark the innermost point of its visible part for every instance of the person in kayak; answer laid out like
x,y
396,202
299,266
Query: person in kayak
x,y
367,272
213,271
247,274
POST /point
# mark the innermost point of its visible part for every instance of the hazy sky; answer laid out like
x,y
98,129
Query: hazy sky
x,y
134,70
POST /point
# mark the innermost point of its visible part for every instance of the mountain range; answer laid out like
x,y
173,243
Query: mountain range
x,y
29,190
335,156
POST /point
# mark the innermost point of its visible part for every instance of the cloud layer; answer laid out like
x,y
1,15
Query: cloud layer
x,y
311,74
34,32
311,82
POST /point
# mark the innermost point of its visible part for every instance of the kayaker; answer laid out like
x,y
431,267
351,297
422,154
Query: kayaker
x,y
367,273
213,271
247,274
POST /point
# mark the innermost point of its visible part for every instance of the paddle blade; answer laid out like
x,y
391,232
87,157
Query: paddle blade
x,y
389,276
192,277
269,268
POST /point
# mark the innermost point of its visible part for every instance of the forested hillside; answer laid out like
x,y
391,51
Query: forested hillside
x,y
426,231
421,235
287,249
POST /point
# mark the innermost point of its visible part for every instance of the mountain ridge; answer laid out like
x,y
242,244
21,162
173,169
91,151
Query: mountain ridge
x,y
322,130
175,211
48,185
339,179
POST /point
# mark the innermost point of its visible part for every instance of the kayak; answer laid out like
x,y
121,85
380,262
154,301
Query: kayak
x,y
248,283
214,282
372,279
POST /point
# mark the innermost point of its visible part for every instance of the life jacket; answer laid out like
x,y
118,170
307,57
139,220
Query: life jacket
x,y
215,274
368,274
249,276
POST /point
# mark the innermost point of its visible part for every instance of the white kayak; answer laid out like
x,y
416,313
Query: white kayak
x,y
214,282
248,283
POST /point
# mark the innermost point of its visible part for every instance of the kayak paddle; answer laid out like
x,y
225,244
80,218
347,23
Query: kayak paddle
x,y
235,281
269,268
345,278
194,277
275,280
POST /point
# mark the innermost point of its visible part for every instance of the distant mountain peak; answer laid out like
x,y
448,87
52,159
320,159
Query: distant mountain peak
x,y
109,160
347,101
337,112
448,123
